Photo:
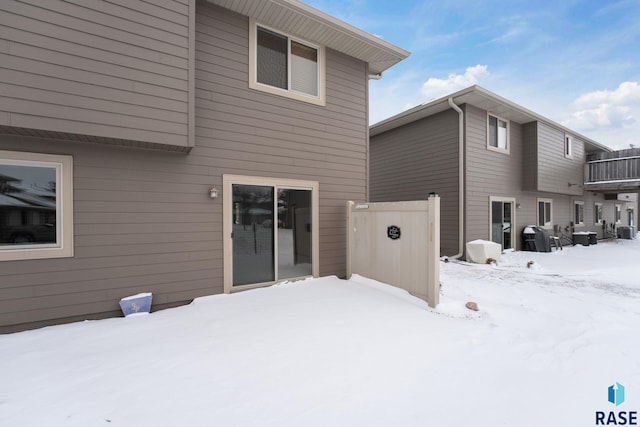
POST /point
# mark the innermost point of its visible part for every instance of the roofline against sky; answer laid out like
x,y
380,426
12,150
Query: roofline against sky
x,y
430,108
290,15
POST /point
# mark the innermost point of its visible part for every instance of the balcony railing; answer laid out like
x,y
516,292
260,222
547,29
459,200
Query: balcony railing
x,y
614,171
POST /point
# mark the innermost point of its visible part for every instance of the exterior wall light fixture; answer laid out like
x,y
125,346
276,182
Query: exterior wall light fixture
x,y
213,192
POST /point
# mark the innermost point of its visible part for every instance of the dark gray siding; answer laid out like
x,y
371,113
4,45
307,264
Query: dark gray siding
x,y
409,162
143,218
116,70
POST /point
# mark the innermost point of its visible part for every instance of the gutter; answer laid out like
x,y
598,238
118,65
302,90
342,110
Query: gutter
x,y
460,179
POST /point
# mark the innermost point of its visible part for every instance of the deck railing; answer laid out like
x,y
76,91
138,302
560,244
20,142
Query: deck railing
x,y
622,169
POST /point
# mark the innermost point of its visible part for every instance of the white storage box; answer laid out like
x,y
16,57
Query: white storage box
x,y
479,251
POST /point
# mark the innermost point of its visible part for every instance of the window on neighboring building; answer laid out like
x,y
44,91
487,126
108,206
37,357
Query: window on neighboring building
x,y
618,214
287,66
568,146
545,213
578,216
36,206
498,134
597,213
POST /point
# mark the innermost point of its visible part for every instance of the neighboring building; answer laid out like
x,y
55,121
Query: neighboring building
x,y
176,147
511,166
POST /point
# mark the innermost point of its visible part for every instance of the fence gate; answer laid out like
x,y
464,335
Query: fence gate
x,y
397,243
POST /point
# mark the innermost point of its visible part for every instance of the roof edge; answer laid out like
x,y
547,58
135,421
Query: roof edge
x,y
422,111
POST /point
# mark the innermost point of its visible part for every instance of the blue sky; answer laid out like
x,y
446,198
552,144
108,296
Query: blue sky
x,y
574,62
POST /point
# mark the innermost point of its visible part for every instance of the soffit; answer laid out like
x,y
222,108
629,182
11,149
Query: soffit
x,y
308,23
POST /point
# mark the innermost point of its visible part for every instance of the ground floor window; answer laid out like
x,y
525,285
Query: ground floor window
x,y
578,217
618,214
271,230
36,206
501,221
545,213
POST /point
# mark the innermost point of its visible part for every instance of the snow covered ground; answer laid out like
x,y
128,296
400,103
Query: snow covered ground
x,y
542,350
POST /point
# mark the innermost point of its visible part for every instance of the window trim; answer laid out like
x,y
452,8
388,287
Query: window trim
x,y
568,146
547,224
320,99
617,212
505,150
63,248
597,205
575,220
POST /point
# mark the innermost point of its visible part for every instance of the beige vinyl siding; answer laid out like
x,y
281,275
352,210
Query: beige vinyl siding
x,y
489,173
247,132
143,218
113,70
409,162
555,171
530,156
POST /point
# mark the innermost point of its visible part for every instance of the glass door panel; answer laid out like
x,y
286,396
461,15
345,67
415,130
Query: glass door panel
x,y
253,234
501,220
506,225
294,233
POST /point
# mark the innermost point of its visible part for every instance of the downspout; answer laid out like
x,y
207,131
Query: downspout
x,y
460,179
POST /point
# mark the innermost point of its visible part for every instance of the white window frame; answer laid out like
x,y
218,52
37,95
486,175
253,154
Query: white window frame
x,y
320,99
507,148
227,217
618,213
576,221
568,146
548,221
597,218
64,207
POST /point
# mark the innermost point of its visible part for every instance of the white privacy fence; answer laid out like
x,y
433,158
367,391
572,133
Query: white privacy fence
x,y
397,243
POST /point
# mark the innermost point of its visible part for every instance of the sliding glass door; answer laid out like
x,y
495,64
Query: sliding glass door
x,y
272,232
501,222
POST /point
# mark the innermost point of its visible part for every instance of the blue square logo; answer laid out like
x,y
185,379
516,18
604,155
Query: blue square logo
x,y
616,394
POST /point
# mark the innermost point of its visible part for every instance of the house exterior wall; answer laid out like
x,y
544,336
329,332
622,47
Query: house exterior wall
x,y
115,70
406,162
488,173
555,171
535,168
143,220
409,162
530,156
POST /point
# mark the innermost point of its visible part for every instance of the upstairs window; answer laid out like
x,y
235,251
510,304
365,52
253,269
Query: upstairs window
x,y
568,146
498,134
286,66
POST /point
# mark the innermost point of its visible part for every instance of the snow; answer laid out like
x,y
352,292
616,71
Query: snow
x,y
546,343
137,296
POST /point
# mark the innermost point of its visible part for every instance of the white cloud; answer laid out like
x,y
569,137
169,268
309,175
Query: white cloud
x,y
435,88
607,108
627,93
609,116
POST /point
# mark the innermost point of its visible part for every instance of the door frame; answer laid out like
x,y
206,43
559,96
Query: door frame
x,y
227,216
511,200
